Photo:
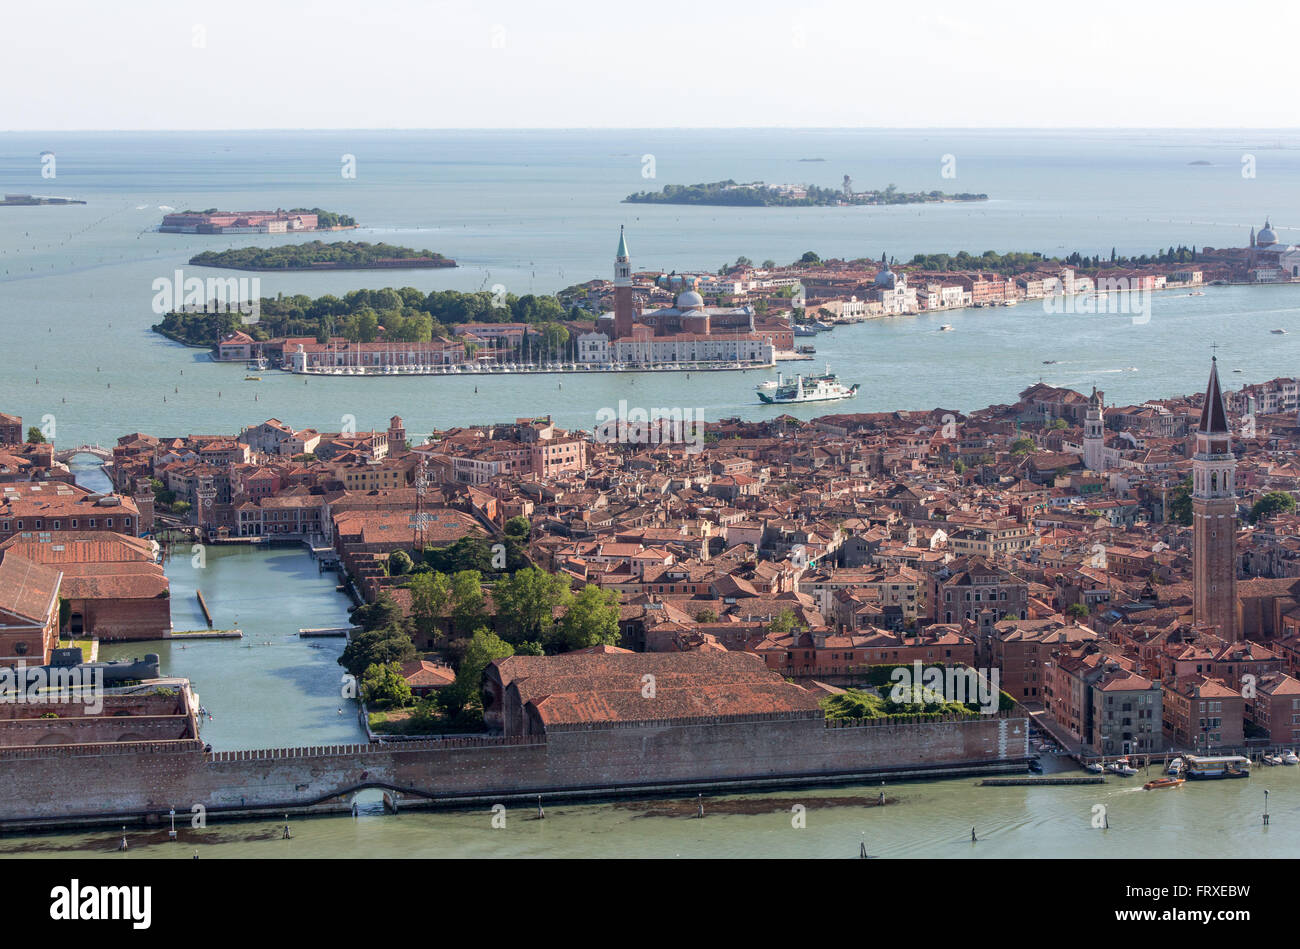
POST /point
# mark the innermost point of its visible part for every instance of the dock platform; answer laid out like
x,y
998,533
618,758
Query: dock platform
x,y
339,631
1050,779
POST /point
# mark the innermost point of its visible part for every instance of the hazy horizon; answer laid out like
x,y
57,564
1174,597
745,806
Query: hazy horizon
x,y
155,65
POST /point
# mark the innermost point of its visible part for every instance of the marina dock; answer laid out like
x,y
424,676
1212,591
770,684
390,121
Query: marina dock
x,y
1052,779
203,605
204,634
325,631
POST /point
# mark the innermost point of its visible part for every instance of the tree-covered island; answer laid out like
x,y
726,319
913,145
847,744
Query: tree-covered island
x,y
317,255
406,314
757,194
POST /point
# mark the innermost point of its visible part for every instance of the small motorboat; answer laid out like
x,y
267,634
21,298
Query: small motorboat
x,y
1049,362
1279,332
946,328
252,378
1160,784
1272,760
1096,768
1035,766
1121,767
1175,767
1289,757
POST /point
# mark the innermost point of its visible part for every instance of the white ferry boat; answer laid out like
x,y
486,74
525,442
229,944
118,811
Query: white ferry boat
x,y
823,388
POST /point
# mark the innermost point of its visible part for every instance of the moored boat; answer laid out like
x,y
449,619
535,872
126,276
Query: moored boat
x,y
1289,757
1209,767
1175,767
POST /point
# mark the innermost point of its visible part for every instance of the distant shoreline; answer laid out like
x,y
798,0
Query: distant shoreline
x,y
419,264
34,201
759,194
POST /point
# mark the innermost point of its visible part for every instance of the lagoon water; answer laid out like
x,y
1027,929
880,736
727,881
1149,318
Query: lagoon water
x,y
1212,819
537,211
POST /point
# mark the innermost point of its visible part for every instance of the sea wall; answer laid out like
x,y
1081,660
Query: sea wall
x,y
127,781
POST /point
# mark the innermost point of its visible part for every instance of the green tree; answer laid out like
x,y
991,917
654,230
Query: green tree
x,y
706,615
35,436
383,685
470,552
376,646
1023,446
783,622
526,603
467,611
1275,502
592,619
518,526
466,692
385,611
810,257
399,563
1180,503
1076,611
430,596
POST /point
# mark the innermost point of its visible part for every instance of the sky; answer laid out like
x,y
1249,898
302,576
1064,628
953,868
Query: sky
x,y
283,64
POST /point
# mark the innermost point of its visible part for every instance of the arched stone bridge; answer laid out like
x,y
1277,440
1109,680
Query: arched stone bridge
x,y
103,454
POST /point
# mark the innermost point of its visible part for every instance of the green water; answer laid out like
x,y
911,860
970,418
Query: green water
x,y
933,819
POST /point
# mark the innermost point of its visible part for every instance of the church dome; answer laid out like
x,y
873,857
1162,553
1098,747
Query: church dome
x,y
885,279
690,300
1266,237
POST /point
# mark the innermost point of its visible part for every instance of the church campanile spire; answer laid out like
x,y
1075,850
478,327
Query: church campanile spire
x,y
1214,516
624,311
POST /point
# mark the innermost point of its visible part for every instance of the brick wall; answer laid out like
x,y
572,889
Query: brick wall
x,y
125,779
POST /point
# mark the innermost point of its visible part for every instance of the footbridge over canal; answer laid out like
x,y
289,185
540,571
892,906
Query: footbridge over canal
x,y
99,451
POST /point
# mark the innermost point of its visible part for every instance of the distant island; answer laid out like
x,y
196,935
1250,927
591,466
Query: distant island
x,y
279,221
317,255
33,200
757,194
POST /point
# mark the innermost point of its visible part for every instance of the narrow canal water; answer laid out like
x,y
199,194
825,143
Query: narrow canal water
x,y
270,689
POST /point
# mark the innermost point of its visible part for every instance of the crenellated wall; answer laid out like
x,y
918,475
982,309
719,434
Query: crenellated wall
x,y
126,780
